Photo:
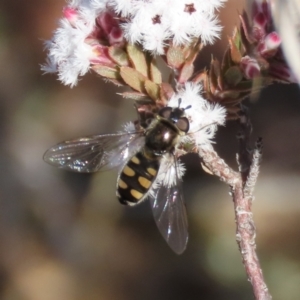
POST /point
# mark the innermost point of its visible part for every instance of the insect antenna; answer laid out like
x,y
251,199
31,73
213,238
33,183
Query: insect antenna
x,y
179,102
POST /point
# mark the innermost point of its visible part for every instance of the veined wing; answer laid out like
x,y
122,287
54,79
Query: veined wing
x,y
170,213
92,153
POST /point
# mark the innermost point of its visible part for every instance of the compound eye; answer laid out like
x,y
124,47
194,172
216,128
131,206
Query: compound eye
x,y
166,112
183,124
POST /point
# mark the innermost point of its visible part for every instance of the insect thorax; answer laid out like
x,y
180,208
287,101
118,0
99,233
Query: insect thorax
x,y
161,137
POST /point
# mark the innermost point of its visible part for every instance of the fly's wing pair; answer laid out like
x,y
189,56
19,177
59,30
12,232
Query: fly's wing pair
x,y
94,153
104,152
169,210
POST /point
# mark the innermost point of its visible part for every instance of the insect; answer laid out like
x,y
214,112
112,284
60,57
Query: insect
x,y
140,154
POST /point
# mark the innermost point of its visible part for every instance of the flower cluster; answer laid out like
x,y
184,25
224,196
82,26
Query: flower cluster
x,y
81,39
90,28
154,23
263,45
254,58
119,40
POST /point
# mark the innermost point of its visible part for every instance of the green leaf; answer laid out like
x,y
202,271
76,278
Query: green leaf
x,y
236,55
133,78
155,74
133,95
138,59
236,37
175,57
153,90
106,72
233,76
118,55
186,73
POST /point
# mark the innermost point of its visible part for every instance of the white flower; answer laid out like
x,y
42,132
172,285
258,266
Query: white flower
x,y
170,172
204,117
68,52
78,42
154,23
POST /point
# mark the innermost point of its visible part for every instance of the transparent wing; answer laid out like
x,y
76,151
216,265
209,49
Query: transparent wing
x,y
286,15
90,154
169,211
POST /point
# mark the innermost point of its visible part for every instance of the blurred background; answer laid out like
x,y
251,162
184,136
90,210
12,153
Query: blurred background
x,y
64,236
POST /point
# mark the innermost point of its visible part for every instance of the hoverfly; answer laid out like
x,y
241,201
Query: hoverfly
x,y
140,154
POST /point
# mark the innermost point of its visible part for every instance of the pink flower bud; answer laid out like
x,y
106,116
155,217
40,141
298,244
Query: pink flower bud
x,y
260,20
261,6
116,36
269,45
110,26
70,14
259,25
250,67
272,40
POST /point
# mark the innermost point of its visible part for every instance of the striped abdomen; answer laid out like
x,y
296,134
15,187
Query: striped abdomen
x,y
137,178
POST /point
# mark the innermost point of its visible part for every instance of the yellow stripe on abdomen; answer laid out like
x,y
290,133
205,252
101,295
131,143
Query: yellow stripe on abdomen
x,y
128,171
152,171
144,182
137,195
135,160
122,184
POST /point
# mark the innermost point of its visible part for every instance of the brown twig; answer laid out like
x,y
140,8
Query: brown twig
x,y
244,156
245,237
241,192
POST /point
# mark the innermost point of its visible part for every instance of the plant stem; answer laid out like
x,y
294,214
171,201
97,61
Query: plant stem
x,y
245,237
245,227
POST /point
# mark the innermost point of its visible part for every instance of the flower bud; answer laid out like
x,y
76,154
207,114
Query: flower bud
x,y
250,67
